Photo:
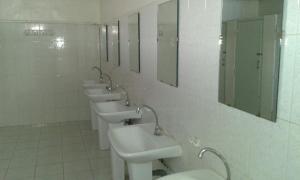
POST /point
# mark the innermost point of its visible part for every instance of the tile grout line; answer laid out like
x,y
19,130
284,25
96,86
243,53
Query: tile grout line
x,y
86,150
11,157
36,154
61,151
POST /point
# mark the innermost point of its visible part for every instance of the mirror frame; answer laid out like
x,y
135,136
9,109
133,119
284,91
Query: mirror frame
x,y
119,44
106,33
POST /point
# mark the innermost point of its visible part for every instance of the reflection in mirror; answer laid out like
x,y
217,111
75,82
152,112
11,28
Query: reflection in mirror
x,y
167,58
134,42
113,43
250,55
103,43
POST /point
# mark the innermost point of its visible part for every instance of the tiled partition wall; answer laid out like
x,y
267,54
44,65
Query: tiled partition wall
x,y
256,149
41,74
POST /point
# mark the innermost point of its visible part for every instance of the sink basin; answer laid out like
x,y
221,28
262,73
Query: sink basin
x,y
91,84
139,147
110,115
143,146
101,95
115,112
203,174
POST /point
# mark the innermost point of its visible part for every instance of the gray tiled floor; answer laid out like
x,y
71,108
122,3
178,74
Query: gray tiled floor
x,y
60,151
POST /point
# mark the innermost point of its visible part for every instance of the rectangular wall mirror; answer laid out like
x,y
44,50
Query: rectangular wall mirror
x,y
167,39
114,43
250,55
134,42
103,43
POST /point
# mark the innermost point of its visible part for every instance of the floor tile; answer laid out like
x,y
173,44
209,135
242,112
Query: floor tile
x,y
2,173
99,175
95,154
7,146
59,151
51,158
23,162
28,138
18,173
4,164
77,155
50,177
6,154
73,147
86,175
74,166
101,163
72,140
23,153
50,143
4,140
49,170
26,145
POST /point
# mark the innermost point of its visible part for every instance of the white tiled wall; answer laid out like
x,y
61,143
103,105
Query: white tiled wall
x,y
51,10
40,82
255,148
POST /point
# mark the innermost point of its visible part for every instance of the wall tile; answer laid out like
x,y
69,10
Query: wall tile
x,y
255,148
39,82
293,162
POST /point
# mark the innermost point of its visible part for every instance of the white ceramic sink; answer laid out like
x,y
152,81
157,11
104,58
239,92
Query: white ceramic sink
x,y
139,147
101,95
92,84
202,174
115,112
143,146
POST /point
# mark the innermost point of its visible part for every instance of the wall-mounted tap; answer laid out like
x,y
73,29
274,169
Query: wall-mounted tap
x,y
110,87
219,155
157,130
100,72
127,101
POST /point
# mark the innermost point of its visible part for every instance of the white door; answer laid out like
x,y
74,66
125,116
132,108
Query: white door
x,y
248,70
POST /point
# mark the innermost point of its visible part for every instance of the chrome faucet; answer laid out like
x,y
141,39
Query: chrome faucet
x,y
110,87
157,130
100,71
219,155
127,102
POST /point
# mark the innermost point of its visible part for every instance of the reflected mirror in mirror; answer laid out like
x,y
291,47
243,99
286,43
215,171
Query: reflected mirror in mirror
x,y
113,43
167,52
250,55
103,43
134,42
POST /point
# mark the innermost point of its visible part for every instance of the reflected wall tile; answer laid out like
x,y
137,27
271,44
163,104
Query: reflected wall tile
x,y
295,114
293,163
286,77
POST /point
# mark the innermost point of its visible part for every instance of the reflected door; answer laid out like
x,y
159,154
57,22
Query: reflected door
x,y
249,48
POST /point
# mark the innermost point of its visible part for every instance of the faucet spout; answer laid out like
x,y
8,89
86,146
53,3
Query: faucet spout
x,y
127,101
219,155
157,130
110,87
100,72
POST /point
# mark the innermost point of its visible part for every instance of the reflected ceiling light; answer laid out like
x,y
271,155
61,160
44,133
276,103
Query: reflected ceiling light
x,y
37,28
221,40
60,42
